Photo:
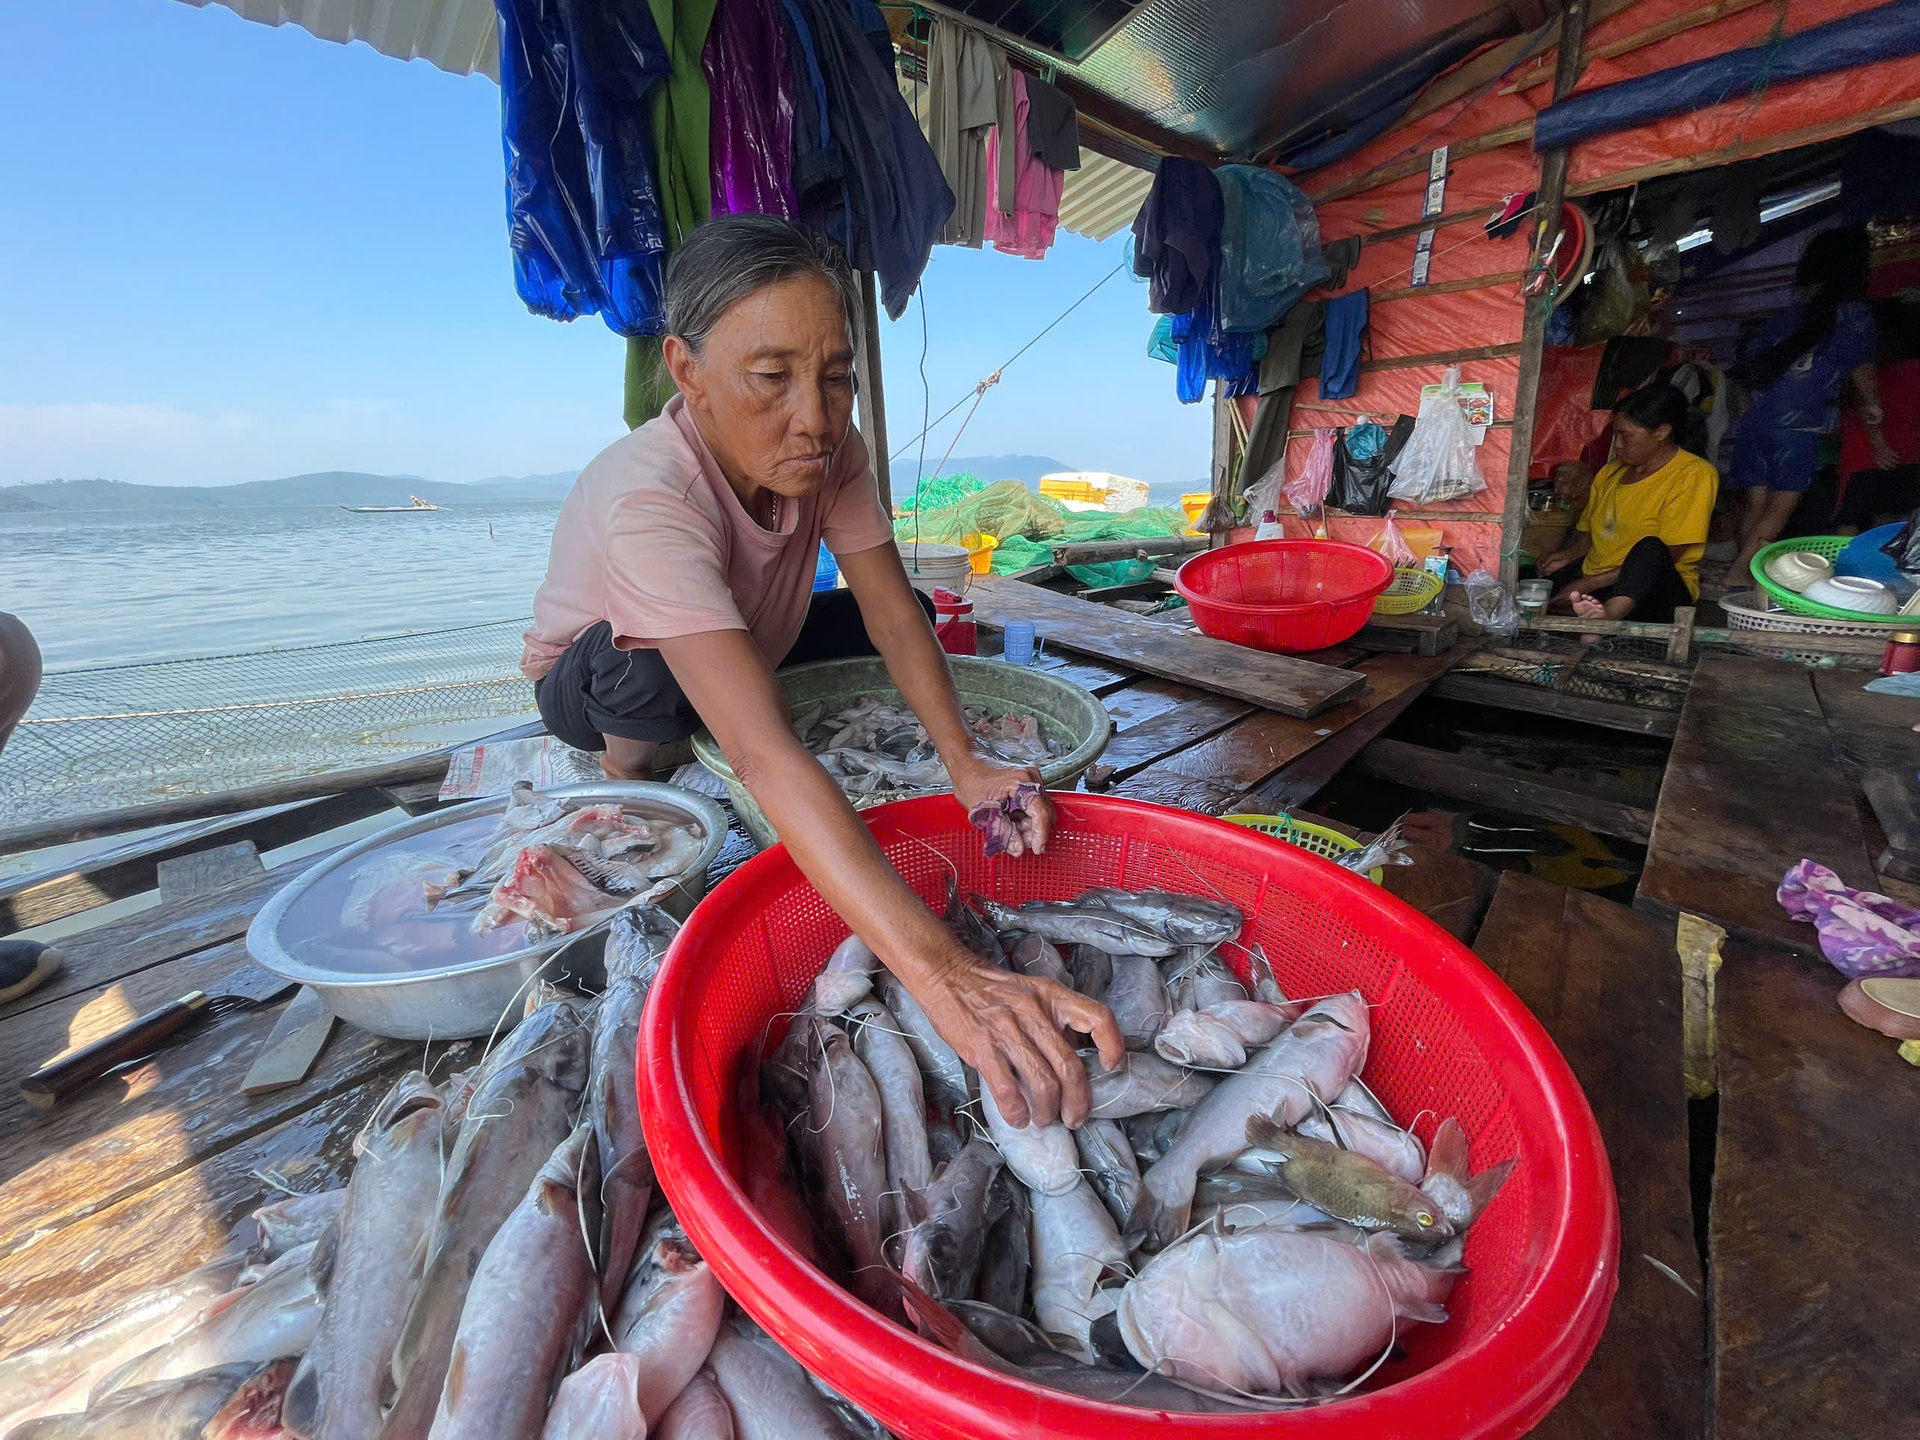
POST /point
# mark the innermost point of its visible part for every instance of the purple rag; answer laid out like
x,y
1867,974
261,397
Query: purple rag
x,y
1861,932
1000,821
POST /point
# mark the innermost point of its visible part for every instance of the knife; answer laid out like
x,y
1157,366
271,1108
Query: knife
x,y
247,988
297,1039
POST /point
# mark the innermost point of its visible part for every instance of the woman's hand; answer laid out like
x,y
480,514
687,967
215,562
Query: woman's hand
x,y
1884,455
987,782
1554,563
1008,1027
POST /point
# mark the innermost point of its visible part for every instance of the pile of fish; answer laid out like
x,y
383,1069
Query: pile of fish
x,y
559,865
1239,1223
875,748
498,1267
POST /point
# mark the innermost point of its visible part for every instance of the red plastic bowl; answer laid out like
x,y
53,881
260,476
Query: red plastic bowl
x,y
1285,595
1448,1037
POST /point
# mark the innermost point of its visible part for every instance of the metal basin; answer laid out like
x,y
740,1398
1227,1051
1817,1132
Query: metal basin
x,y
454,1001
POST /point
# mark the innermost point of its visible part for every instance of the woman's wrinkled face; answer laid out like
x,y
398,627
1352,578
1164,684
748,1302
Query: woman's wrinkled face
x,y
1635,444
773,386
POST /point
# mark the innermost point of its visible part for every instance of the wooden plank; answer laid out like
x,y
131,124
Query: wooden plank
x,y
1168,733
1897,807
208,870
73,1276
1449,287
1814,1271
1097,552
1417,634
1605,983
1451,890
132,869
1680,643
1753,786
1277,682
1871,731
142,1125
1215,776
1481,781
1133,704
1298,781
420,797
1511,695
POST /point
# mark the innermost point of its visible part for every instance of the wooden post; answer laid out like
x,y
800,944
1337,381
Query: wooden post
x,y
1680,643
873,400
1533,331
1222,450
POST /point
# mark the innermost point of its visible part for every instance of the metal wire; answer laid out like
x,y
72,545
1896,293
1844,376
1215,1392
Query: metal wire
x,y
116,735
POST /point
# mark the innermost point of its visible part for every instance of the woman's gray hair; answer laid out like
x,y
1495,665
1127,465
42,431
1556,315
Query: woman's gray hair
x,y
731,256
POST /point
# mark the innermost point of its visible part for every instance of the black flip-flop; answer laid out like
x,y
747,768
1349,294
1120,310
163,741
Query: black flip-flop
x,y
25,964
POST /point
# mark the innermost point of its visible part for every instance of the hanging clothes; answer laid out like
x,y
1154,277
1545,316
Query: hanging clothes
x,y
1176,236
1269,248
584,218
680,112
1053,125
1340,366
1204,356
1341,256
752,85
1027,230
817,170
961,108
891,201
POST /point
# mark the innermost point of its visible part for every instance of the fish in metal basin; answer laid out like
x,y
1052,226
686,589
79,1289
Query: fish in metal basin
x,y
846,980
1075,1246
941,1254
613,1100
368,1264
1145,1084
1268,1310
598,1402
1348,1185
669,1315
882,1047
1138,999
528,1309
1181,919
175,1409
521,1109
1313,1059
1071,923
768,1393
845,1134
699,1412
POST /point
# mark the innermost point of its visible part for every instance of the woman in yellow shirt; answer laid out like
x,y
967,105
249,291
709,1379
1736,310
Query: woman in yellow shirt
x,y
1636,550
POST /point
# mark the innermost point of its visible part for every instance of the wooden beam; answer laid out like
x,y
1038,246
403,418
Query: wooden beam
x,y
1449,287
1638,39
1478,689
1392,170
1533,329
1296,783
873,400
1680,643
208,870
1223,450
1094,552
1463,778
1442,357
1277,682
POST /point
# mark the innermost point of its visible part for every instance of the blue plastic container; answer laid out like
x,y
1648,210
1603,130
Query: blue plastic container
x,y
826,574
1865,558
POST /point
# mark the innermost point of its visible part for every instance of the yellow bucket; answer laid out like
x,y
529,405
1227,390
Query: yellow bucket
x,y
1195,504
980,550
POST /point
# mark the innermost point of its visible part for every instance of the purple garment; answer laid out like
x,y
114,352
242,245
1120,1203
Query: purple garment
x,y
1862,933
1176,236
751,136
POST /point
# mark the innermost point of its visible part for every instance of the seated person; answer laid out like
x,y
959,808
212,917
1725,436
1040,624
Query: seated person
x,y
1636,548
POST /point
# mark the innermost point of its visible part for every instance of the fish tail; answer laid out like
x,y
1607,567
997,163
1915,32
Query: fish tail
x,y
1448,1153
1161,1219
1483,1187
1264,1132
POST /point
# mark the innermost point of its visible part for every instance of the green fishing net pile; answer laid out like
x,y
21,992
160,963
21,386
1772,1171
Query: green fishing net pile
x,y
949,508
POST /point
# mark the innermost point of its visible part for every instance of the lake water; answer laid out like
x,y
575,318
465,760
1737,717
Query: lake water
x,y
105,588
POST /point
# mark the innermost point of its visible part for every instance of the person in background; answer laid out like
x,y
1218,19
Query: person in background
x,y
23,963
1636,548
1871,494
681,578
1807,354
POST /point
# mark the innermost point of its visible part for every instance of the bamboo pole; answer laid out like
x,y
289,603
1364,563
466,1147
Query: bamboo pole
x,y
873,401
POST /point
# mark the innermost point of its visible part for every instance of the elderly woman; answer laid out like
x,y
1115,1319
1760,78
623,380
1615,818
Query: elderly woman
x,y
681,577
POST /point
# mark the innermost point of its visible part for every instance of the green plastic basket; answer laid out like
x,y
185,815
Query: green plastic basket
x,y
1330,844
1828,548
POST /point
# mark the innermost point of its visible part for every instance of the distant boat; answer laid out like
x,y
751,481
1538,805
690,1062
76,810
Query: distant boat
x,y
417,507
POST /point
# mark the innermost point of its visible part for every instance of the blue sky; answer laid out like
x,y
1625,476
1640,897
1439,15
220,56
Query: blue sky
x,y
232,252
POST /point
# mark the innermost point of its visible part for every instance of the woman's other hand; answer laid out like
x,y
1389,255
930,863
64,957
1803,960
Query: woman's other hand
x,y
1554,563
1009,1027
986,782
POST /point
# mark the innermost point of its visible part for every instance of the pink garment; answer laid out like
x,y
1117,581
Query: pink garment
x,y
654,541
1028,231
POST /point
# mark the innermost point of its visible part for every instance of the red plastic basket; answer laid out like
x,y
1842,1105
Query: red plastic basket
x,y
1285,595
1448,1037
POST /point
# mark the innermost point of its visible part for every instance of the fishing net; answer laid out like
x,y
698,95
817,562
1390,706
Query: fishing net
x,y
118,735
939,491
1153,522
1003,509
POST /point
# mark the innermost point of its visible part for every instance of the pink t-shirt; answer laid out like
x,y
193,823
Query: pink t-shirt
x,y
653,540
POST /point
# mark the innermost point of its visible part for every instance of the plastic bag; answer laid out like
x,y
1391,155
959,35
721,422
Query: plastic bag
x,y
1307,491
1904,548
1439,462
1269,248
1263,501
1491,604
1393,547
1362,471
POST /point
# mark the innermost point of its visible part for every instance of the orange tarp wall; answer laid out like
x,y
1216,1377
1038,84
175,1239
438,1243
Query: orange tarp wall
x,y
1435,321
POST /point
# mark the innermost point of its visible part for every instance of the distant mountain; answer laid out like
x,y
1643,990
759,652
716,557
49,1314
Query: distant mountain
x,y
329,487
1028,468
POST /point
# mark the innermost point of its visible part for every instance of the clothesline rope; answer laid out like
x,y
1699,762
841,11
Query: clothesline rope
x,y
980,388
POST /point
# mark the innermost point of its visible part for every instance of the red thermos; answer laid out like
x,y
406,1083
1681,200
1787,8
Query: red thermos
x,y
953,624
1903,653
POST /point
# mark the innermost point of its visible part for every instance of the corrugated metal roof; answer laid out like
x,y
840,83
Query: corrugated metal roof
x,y
1102,196
461,36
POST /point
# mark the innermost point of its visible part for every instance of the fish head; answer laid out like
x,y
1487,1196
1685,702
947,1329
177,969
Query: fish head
x,y
414,1104
1422,1222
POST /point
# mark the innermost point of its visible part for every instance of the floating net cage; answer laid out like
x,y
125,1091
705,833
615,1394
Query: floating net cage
x,y
118,735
